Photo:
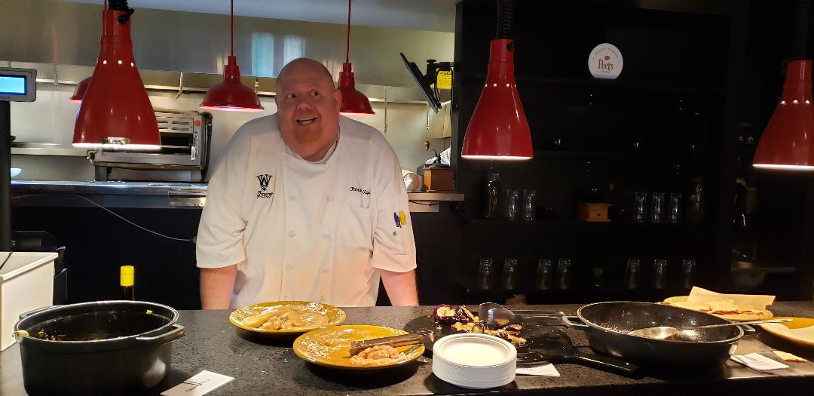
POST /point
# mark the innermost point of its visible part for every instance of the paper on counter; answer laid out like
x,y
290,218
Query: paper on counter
x,y
545,370
789,357
758,362
743,301
198,384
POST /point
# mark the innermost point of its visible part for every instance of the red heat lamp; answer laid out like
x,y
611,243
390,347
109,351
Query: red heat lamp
x,y
80,90
353,101
788,140
231,94
498,129
116,101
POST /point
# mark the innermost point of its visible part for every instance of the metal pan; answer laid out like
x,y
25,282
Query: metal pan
x,y
607,324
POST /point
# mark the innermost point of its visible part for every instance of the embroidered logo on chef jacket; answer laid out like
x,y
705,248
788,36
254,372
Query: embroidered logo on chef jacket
x,y
397,219
359,190
264,180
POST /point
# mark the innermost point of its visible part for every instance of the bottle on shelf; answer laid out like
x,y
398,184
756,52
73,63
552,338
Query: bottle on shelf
x,y
695,202
633,274
510,274
598,280
492,198
127,275
544,274
485,273
563,274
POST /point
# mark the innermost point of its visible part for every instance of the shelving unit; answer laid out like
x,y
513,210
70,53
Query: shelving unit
x,y
665,121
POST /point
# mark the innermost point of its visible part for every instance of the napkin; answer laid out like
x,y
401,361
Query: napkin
x,y
544,370
198,384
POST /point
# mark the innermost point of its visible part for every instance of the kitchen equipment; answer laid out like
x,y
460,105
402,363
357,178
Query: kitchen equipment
x,y
495,315
26,283
336,316
104,347
553,346
690,333
330,347
439,178
417,338
475,361
608,324
589,211
185,137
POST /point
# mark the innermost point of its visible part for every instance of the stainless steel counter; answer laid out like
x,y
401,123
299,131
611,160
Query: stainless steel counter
x,y
155,194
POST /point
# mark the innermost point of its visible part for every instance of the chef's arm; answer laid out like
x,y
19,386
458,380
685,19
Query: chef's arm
x,y
400,287
216,286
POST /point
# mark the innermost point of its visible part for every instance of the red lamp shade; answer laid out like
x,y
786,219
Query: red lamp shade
x,y
353,101
116,111
80,90
231,94
788,140
498,129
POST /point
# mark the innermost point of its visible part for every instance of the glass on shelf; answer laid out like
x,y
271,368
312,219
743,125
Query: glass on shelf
x,y
512,204
687,273
510,274
633,274
486,271
675,208
563,274
492,205
544,274
659,273
640,207
657,208
528,204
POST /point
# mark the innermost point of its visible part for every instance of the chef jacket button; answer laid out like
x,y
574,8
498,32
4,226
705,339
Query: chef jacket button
x,y
291,234
291,197
289,267
327,235
330,198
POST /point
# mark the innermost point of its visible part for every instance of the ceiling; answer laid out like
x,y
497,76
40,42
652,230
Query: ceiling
x,y
434,15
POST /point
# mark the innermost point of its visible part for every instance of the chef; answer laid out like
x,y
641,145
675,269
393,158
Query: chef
x,y
306,205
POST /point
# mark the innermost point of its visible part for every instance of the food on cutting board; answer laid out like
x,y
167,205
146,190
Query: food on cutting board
x,y
287,317
377,355
736,307
460,319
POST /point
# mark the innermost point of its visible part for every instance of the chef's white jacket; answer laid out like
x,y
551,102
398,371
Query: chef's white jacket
x,y
299,230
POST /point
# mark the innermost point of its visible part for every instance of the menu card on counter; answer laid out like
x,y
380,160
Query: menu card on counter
x,y
198,384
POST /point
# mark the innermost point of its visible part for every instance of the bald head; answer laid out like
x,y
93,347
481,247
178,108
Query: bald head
x,y
307,108
304,65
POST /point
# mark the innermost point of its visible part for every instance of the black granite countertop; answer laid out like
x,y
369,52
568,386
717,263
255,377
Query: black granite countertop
x,y
271,367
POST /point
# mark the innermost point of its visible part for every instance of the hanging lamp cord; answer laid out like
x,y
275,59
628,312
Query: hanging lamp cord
x,y
232,28
800,29
347,38
504,19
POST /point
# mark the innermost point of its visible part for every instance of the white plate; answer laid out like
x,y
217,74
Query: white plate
x,y
474,360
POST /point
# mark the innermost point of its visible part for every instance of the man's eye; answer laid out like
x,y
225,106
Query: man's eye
x,y
291,96
314,93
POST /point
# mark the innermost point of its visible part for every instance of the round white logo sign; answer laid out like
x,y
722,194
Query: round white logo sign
x,y
605,61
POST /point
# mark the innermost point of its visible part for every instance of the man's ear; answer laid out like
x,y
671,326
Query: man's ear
x,y
338,99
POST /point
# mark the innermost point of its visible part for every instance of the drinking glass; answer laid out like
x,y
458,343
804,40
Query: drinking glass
x,y
687,273
563,274
657,208
659,273
544,274
512,204
633,273
528,204
675,208
640,207
510,274
485,273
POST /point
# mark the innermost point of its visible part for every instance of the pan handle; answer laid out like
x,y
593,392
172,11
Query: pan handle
x,y
747,329
569,321
604,363
174,334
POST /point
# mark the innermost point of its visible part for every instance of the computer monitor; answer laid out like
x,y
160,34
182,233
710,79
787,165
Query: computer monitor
x,y
432,99
18,85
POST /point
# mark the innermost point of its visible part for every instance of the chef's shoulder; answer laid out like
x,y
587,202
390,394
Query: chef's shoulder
x,y
259,129
364,137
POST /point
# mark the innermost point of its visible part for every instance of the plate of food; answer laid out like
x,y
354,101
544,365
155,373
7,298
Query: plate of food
x,y
734,307
285,318
799,331
330,347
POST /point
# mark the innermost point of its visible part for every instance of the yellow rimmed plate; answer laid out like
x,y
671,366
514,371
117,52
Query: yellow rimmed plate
x,y
335,316
330,347
799,331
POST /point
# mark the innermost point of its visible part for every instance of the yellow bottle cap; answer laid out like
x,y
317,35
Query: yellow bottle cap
x,y
127,275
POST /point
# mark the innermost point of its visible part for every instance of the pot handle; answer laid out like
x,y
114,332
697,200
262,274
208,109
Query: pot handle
x,y
747,329
605,363
172,335
34,311
568,320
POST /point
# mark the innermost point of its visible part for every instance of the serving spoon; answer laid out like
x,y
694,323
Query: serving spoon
x,y
690,333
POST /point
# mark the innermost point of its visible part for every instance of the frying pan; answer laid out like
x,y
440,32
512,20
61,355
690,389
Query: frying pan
x,y
606,325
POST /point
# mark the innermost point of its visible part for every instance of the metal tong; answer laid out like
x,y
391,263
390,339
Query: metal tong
x,y
418,337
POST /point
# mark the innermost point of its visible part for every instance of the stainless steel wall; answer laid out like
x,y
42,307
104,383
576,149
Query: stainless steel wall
x,y
50,31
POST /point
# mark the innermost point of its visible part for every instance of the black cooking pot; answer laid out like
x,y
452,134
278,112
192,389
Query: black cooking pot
x,y
105,347
607,325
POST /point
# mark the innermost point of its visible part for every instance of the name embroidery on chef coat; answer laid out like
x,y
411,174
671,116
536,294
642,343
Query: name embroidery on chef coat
x,y
264,180
357,189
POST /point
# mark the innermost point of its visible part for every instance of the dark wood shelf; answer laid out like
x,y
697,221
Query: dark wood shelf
x,y
620,83
574,223
573,295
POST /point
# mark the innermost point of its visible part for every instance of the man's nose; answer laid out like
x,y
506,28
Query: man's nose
x,y
303,103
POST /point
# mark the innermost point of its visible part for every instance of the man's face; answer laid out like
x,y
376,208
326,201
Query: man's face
x,y
308,111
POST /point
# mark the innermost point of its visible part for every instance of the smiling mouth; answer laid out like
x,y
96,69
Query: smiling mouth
x,y
306,121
